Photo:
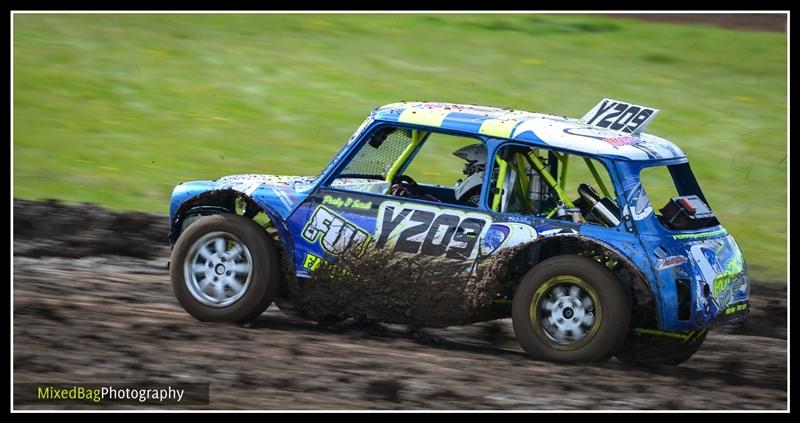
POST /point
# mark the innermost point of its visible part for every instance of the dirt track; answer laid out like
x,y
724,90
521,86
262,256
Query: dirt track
x,y
107,313
775,22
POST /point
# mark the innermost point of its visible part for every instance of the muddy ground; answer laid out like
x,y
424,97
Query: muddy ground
x,y
90,306
775,22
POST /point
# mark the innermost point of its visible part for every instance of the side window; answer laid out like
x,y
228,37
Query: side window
x,y
658,185
436,163
449,169
662,184
412,163
552,184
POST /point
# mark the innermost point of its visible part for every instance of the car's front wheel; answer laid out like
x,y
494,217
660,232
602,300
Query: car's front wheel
x,y
224,268
570,309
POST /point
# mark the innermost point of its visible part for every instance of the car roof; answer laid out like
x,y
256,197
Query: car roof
x,y
530,128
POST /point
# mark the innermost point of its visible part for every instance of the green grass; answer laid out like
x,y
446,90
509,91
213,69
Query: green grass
x,y
117,109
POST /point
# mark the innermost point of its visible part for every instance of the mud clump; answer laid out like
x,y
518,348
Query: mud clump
x,y
378,286
51,228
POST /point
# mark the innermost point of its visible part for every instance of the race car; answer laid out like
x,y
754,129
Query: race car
x,y
541,218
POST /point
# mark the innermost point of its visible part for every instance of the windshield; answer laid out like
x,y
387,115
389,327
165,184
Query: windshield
x,y
377,157
676,197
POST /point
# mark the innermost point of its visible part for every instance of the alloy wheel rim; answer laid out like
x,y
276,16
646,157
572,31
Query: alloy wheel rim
x,y
565,312
218,269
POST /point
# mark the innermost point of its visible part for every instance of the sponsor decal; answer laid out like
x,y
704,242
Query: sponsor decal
x,y
495,237
736,308
335,233
506,235
599,134
671,261
701,235
557,231
431,231
639,204
725,281
732,271
624,140
313,262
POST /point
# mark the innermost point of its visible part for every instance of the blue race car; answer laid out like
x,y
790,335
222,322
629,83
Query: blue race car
x,y
545,219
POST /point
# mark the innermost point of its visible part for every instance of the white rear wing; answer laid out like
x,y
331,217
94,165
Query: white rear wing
x,y
619,116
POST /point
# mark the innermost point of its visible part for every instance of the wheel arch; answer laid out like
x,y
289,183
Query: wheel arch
x,y
236,202
525,257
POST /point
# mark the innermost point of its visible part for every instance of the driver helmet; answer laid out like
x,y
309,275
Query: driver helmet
x,y
468,189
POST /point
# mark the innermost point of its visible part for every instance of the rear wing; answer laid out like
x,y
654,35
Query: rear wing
x,y
619,116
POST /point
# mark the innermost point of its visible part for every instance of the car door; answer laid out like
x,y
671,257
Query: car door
x,y
353,209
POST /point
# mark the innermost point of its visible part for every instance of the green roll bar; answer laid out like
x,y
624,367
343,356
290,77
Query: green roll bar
x,y
564,159
522,183
501,179
550,180
597,177
416,139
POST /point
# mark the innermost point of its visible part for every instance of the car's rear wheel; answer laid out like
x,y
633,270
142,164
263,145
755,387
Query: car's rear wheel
x,y
224,269
570,309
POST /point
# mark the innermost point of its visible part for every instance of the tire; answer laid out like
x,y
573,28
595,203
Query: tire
x,y
204,277
558,288
648,350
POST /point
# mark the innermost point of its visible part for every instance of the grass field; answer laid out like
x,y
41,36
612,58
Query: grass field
x,y
117,109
